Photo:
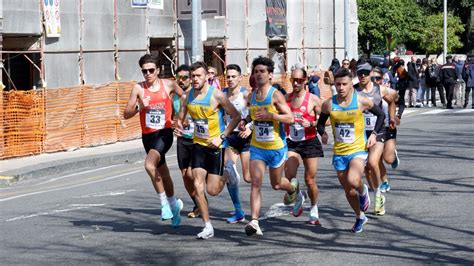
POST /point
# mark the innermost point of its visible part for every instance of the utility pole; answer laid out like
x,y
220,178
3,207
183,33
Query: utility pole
x,y
197,51
445,31
346,28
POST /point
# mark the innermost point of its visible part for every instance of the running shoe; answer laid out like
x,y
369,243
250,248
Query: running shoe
x,y
313,220
252,228
238,217
291,197
207,232
396,163
176,220
357,228
298,206
194,213
166,213
379,205
232,173
364,200
385,187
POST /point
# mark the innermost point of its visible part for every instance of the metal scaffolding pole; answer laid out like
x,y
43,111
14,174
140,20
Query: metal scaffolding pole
x,y
445,30
197,50
346,28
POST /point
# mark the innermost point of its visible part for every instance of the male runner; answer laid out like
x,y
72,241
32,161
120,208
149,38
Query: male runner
x,y
185,141
238,141
268,110
206,105
303,142
350,144
377,94
151,98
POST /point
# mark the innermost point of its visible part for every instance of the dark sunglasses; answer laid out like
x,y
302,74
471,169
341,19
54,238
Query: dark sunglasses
x,y
178,77
376,78
297,80
345,64
148,70
363,73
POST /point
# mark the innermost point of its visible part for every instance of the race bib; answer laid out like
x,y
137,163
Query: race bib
x,y
201,128
155,119
345,132
370,120
297,132
264,131
188,131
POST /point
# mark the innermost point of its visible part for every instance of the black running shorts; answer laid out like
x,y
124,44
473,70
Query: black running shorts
x,y
310,148
211,160
160,141
184,150
237,143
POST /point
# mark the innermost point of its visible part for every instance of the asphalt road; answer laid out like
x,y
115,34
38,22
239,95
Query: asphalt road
x,y
111,215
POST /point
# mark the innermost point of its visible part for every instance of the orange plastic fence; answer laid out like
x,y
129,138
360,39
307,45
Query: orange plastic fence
x,y
22,124
53,120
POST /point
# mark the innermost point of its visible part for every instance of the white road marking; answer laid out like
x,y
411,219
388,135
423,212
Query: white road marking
x,y
80,173
465,111
106,194
407,111
437,111
63,188
73,208
278,209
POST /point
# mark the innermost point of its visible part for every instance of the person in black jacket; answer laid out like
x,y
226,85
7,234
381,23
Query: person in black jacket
x,y
433,82
468,76
449,75
413,82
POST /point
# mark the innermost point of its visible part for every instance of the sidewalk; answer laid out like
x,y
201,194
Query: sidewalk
x,y
15,169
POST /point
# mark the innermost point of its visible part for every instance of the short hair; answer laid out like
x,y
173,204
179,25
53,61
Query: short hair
x,y
263,61
343,72
305,74
183,67
197,65
233,67
148,58
378,70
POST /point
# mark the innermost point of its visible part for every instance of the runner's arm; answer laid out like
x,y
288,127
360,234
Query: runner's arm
x,y
284,113
323,117
133,105
230,109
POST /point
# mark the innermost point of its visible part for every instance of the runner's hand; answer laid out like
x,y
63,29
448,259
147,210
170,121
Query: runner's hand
x,y
215,143
305,123
178,130
245,133
241,125
324,138
372,140
393,123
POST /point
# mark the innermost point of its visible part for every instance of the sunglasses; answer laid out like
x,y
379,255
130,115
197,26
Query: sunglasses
x,y
148,70
178,77
345,64
297,80
363,73
376,78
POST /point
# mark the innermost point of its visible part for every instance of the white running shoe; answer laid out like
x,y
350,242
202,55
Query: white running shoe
x,y
252,228
207,232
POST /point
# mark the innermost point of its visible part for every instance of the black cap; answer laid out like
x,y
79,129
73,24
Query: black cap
x,y
449,57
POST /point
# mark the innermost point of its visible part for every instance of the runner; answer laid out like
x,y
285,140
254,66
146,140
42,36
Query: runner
x,y
377,94
350,145
151,98
185,142
269,111
238,141
389,154
303,142
206,105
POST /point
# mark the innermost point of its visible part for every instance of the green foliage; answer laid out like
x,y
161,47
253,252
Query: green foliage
x,y
381,22
431,38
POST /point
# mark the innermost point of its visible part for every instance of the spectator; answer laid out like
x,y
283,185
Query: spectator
x,y
334,67
402,84
422,91
213,80
468,76
449,76
413,82
345,63
460,87
313,86
433,82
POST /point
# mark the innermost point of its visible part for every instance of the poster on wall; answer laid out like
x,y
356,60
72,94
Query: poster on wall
x,y
276,18
153,4
52,18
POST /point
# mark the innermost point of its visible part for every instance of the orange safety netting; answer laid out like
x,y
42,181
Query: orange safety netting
x,y
61,119
22,124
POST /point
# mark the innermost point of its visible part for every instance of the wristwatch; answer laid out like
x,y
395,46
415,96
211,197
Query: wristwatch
x,y
222,137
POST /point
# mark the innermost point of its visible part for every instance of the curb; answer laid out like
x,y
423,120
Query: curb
x,y
66,166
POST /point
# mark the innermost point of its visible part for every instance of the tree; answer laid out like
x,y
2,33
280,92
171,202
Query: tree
x,y
383,22
431,37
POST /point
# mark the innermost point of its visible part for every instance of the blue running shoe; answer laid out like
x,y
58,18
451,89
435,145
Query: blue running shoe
x,y
357,228
298,206
364,200
385,187
238,217
396,163
166,213
176,220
